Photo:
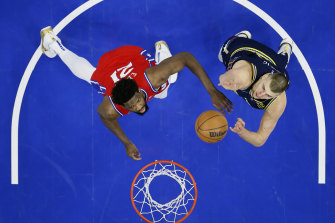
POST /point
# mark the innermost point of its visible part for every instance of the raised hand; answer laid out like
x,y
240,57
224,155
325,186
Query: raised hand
x,y
221,102
132,152
239,126
229,84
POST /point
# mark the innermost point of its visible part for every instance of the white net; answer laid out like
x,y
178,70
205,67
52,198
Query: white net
x,y
175,210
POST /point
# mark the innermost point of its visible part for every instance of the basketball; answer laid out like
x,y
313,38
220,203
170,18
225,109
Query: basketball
x,y
211,126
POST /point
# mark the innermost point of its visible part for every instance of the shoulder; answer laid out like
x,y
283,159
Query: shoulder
x,y
242,71
241,64
278,106
106,109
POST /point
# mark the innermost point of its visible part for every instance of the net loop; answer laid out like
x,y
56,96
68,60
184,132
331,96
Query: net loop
x,y
176,210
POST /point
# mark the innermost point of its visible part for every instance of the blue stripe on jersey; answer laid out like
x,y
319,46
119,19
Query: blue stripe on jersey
x,y
110,99
152,88
101,89
146,94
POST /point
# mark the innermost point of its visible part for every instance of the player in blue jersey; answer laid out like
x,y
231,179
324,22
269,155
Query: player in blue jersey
x,y
258,75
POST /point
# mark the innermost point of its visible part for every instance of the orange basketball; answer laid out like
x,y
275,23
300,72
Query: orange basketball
x,y
211,126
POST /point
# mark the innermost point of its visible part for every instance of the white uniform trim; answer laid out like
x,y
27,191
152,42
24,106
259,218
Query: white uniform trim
x,y
111,101
152,88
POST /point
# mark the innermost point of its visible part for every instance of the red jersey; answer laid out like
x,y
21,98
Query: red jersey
x,y
124,62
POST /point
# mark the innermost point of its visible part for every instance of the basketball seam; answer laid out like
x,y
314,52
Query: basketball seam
x,y
207,120
212,129
199,130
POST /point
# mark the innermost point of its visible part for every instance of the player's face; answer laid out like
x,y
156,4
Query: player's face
x,y
261,89
137,104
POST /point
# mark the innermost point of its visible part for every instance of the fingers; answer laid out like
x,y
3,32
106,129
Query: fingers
x,y
229,104
226,101
224,84
220,109
136,156
239,126
233,130
227,108
221,81
229,84
221,102
224,107
241,121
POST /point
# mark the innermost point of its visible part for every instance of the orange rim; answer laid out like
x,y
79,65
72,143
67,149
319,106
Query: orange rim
x,y
164,161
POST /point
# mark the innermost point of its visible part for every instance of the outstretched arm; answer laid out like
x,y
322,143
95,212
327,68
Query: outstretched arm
x,y
109,117
267,125
159,74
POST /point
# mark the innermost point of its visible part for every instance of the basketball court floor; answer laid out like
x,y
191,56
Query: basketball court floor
x,y
71,168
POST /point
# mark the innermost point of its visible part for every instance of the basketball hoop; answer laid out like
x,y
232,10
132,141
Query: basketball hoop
x,y
176,210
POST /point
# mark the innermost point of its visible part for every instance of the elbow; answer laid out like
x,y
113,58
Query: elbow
x,y
186,56
102,113
259,142
99,110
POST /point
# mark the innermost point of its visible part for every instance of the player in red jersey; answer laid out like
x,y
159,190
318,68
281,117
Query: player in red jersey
x,y
128,78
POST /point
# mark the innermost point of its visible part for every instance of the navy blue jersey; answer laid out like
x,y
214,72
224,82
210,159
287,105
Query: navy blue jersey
x,y
262,59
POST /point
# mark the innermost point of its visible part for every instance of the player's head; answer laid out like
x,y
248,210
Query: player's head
x,y
127,94
270,86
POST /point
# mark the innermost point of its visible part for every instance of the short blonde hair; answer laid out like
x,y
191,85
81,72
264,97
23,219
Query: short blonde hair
x,y
279,83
